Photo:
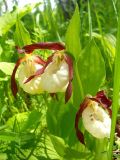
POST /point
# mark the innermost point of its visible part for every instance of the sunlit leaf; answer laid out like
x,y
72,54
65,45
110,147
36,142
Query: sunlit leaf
x,y
9,136
3,156
91,69
73,35
21,35
66,152
58,144
9,19
32,121
6,67
116,90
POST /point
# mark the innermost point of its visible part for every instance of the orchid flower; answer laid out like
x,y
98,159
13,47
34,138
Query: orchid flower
x,y
28,65
96,116
54,75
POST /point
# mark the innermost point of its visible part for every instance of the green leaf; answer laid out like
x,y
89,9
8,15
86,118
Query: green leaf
x,y
60,120
91,68
55,111
21,35
74,154
58,144
1,50
17,121
6,67
32,121
9,19
46,149
73,45
9,136
66,152
116,90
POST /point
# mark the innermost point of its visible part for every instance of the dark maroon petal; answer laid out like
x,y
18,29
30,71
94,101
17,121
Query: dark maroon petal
x,y
44,45
103,101
13,82
69,61
38,60
101,97
109,111
68,92
77,118
54,95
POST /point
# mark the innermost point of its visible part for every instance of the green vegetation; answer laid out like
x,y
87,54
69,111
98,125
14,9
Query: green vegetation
x,y
41,127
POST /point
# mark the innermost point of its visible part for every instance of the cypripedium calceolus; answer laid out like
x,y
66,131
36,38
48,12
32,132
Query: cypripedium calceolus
x,y
37,75
96,116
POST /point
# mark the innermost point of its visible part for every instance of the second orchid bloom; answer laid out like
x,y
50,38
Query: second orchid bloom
x,y
96,116
36,75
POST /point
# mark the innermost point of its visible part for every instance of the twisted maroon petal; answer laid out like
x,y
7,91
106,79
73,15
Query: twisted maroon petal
x,y
43,45
68,92
37,73
40,71
101,97
77,118
38,60
103,101
13,82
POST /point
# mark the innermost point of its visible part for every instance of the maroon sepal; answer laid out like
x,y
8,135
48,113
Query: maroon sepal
x,y
40,71
103,101
43,45
80,136
13,82
77,118
68,92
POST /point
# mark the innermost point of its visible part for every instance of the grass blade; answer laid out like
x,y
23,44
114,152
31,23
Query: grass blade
x,y
116,88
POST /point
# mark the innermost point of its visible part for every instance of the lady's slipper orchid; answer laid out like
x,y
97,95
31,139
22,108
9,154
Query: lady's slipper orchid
x,y
54,75
31,62
95,113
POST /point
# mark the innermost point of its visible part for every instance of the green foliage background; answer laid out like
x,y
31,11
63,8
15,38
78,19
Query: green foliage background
x,y
37,127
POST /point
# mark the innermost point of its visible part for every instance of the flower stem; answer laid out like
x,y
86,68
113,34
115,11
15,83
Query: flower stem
x,y
79,82
101,149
